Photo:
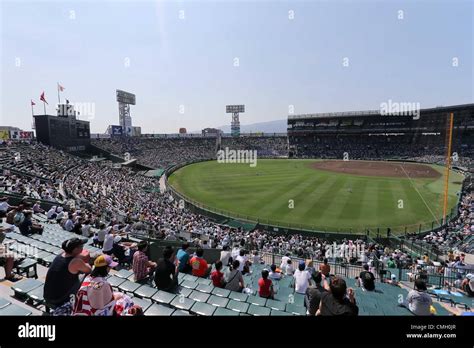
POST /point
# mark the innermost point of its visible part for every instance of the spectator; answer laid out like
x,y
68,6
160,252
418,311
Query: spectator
x,y
335,303
108,242
7,260
265,286
37,208
217,276
284,261
166,273
366,279
243,261
183,258
51,214
95,296
235,281
325,268
226,257
86,229
418,301
313,295
199,265
302,278
103,230
5,207
274,273
62,278
289,268
142,267
468,284
27,227
69,225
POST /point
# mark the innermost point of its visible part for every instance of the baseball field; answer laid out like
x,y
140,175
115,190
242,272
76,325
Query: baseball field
x,y
325,195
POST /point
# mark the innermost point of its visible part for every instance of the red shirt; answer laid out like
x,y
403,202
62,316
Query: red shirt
x,y
217,277
264,287
199,266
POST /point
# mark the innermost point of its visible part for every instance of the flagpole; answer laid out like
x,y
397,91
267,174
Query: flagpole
x,y
59,99
44,105
32,113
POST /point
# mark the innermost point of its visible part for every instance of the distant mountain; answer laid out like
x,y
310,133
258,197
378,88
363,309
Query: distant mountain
x,y
278,126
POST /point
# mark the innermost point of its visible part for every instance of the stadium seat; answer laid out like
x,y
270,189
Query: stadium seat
x,y
275,305
218,301
190,277
199,296
204,309
181,313
158,309
238,306
189,284
163,297
182,302
279,313
23,287
205,288
238,296
142,302
258,310
220,292
145,291
28,267
225,312
123,273
115,281
204,281
294,309
4,302
185,291
14,310
256,300
36,295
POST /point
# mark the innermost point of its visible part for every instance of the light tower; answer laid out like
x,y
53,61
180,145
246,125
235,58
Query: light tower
x,y
235,124
125,99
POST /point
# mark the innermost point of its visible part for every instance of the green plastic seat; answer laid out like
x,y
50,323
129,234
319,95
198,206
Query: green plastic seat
x,y
181,276
181,313
163,297
49,259
123,273
159,309
204,281
256,300
280,313
238,296
293,308
182,302
238,306
142,302
298,299
275,305
14,309
145,291
205,288
4,302
258,310
220,292
25,286
198,296
218,301
190,277
128,286
204,309
115,281
189,284
185,292
225,312
42,255
28,267
36,295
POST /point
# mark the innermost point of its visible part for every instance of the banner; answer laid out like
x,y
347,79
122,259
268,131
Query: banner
x,y
26,135
117,130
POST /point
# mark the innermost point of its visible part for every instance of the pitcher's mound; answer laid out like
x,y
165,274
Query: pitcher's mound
x,y
374,168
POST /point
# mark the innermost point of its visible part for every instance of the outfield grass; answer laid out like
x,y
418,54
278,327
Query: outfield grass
x,y
322,200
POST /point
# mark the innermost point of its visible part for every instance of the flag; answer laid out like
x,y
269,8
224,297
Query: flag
x,y
32,103
43,99
60,88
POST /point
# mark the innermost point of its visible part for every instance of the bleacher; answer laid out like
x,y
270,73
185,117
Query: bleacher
x,y
196,296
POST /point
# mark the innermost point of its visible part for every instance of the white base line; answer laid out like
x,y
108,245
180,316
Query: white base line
x,y
411,181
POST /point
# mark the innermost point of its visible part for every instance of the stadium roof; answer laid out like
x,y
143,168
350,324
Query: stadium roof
x,y
440,109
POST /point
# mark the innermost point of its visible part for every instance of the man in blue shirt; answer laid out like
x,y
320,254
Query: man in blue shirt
x,y
183,258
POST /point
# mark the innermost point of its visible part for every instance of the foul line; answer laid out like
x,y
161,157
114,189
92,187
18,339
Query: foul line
x,y
412,184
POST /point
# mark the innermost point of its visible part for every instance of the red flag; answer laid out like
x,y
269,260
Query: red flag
x,y
42,98
32,103
60,88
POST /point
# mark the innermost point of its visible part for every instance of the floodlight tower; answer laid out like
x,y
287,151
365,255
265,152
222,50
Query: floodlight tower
x,y
125,99
235,124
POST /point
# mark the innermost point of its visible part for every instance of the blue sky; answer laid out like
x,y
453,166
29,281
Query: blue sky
x,y
183,73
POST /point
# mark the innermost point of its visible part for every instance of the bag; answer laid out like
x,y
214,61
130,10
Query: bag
x,y
18,219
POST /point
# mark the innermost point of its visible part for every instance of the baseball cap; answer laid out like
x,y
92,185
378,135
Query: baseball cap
x,y
393,276
302,263
71,244
105,260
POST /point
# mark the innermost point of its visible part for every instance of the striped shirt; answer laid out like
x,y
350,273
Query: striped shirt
x,y
140,265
